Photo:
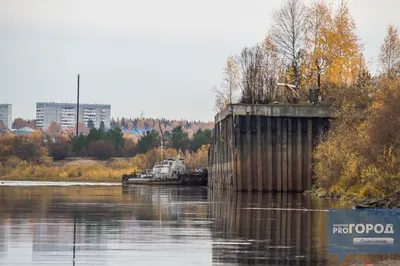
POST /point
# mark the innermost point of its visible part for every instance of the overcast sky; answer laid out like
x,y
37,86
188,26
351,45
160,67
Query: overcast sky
x,y
160,57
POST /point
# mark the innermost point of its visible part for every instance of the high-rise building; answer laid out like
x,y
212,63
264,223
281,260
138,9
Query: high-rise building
x,y
65,114
6,114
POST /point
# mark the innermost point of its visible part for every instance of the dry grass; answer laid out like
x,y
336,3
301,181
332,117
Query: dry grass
x,y
79,170
84,169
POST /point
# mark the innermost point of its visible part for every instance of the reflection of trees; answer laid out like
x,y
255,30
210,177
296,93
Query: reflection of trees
x,y
105,216
3,246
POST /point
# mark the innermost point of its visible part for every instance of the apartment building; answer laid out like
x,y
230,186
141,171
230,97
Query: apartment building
x,y
65,114
6,115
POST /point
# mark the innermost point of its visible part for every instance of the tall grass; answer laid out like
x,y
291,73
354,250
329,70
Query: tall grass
x,y
15,169
111,171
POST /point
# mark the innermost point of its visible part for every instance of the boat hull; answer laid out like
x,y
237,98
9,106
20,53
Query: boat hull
x,y
198,179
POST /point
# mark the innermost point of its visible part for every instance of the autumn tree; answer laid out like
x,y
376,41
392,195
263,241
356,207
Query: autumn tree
x,y
29,149
230,84
54,128
129,124
83,129
318,37
19,123
2,125
60,148
32,124
389,58
363,155
345,49
287,33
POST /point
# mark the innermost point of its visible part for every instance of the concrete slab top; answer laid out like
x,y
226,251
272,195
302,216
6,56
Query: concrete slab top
x,y
275,110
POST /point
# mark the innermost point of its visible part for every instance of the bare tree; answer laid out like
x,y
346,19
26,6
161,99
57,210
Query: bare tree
x,y
221,99
269,68
390,53
259,67
249,62
288,36
231,78
225,94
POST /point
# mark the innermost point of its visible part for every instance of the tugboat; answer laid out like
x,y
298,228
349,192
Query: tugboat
x,y
168,172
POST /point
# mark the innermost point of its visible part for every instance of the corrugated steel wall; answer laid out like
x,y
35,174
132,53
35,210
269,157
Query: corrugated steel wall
x,y
262,153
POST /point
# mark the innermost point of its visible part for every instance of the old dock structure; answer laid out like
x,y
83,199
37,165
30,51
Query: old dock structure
x,y
265,147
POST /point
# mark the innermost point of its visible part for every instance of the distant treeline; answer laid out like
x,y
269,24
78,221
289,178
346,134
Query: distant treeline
x,y
166,125
99,143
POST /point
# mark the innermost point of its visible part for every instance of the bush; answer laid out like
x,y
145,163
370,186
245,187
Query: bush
x,y
59,150
101,149
361,157
29,149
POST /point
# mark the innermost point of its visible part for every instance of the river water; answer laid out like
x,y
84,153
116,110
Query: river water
x,y
47,223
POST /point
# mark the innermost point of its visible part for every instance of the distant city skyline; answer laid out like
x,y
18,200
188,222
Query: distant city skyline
x,y
159,57
65,114
6,114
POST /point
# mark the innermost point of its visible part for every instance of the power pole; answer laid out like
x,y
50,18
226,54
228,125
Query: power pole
x,y
77,111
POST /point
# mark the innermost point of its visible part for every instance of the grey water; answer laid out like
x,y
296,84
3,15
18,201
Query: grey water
x,y
50,223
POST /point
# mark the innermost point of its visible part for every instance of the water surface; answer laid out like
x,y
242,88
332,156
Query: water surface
x,y
91,224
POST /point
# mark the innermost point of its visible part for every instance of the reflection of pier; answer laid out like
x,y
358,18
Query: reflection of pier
x,y
256,228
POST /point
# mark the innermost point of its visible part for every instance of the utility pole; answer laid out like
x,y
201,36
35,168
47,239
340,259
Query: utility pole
x,y
77,111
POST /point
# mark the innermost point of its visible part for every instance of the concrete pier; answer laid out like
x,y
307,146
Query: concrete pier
x,y
265,147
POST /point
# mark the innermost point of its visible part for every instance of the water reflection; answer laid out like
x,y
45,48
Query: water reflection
x,y
276,229
149,225
114,226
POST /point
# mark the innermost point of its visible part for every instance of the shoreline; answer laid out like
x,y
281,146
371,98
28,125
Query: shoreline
x,y
58,179
69,170
23,183
390,202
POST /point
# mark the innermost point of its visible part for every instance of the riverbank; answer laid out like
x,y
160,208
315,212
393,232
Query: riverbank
x,y
73,170
89,169
390,202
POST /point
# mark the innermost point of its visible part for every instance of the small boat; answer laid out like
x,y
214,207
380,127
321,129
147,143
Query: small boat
x,y
168,172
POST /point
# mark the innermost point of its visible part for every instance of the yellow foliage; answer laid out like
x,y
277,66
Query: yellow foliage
x,y
361,157
197,159
333,49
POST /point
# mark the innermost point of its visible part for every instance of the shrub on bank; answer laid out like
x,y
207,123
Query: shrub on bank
x,y
361,157
101,149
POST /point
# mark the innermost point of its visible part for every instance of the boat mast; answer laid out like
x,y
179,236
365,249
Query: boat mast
x,y
161,138
161,150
